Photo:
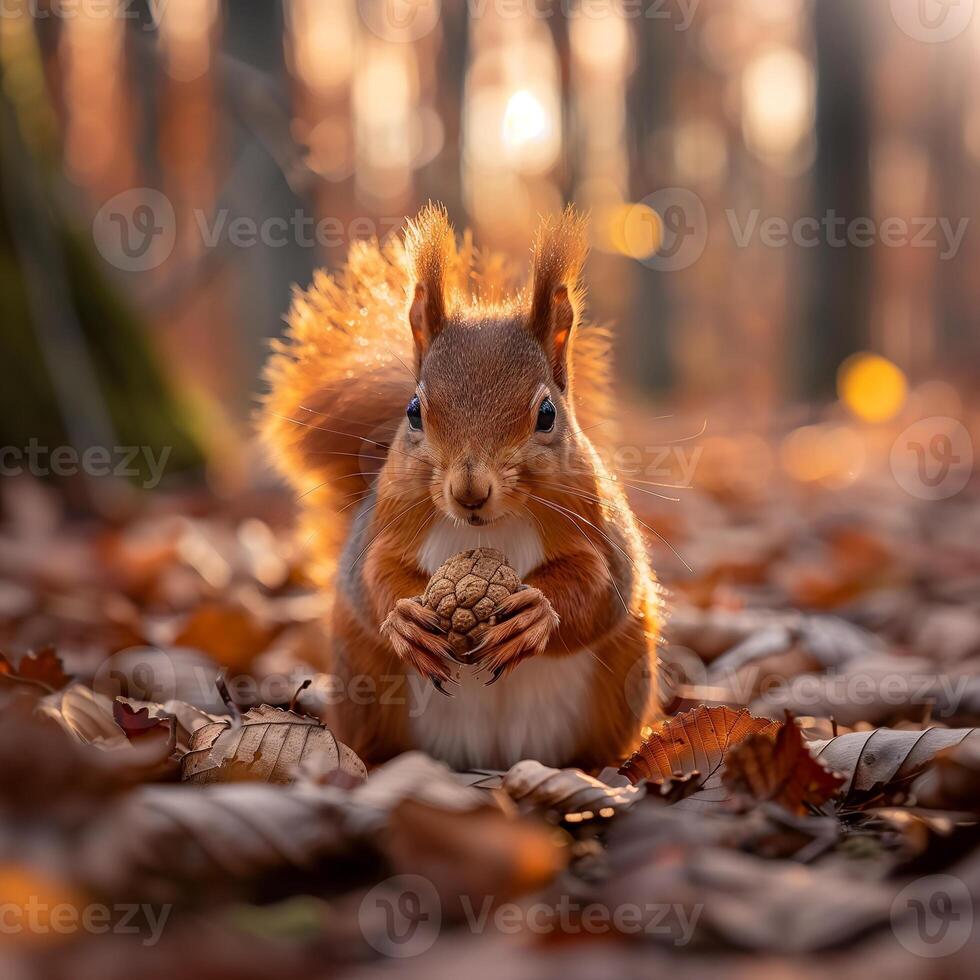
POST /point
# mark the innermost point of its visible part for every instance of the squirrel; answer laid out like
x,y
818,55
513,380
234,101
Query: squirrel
x,y
421,404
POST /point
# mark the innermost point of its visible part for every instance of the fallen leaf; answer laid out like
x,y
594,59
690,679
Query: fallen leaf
x,y
475,854
83,713
779,770
33,896
753,904
567,791
267,745
187,717
416,776
163,838
42,669
231,634
952,782
881,690
884,760
695,741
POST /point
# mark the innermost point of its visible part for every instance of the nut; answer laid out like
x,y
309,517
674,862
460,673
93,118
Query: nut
x,y
465,590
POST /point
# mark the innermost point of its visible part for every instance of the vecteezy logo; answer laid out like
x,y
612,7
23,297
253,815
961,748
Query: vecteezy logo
x,y
678,225
400,20
933,458
932,21
136,230
143,673
401,916
933,916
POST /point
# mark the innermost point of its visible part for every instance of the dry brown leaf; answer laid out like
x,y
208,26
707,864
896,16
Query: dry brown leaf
x,y
751,903
884,760
187,717
474,853
416,776
83,713
231,634
695,741
953,780
163,837
42,669
568,791
779,770
267,745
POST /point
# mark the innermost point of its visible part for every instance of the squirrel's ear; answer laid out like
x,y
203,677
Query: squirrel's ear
x,y
426,317
431,247
559,254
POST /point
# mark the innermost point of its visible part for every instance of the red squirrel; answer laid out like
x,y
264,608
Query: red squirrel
x,y
422,360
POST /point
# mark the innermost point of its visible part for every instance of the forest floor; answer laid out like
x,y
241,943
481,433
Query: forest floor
x,y
809,808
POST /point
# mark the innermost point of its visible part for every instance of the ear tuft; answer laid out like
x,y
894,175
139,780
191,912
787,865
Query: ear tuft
x,y
560,248
431,248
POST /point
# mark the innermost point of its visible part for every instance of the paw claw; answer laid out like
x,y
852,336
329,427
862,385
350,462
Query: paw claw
x,y
437,684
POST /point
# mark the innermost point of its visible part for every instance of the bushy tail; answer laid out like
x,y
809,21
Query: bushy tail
x,y
341,377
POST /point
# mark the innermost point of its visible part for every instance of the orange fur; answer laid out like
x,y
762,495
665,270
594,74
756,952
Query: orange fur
x,y
484,351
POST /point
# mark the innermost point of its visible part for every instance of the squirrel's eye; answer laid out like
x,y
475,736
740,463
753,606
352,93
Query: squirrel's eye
x,y
546,416
414,413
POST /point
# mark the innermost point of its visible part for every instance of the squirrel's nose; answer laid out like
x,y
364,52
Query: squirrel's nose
x,y
472,495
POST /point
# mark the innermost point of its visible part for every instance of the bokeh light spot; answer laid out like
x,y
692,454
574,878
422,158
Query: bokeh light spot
x,y
872,387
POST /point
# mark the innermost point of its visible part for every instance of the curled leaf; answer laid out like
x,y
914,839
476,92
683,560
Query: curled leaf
x,y
567,791
884,760
42,669
779,770
953,781
83,713
268,745
695,741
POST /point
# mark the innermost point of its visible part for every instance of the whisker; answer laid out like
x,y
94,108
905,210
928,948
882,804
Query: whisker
x,y
591,545
345,476
642,524
417,532
405,366
629,481
349,435
588,496
397,516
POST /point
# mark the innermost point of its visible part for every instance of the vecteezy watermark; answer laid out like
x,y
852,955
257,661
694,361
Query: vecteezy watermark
x,y
157,675
136,230
402,917
149,17
400,20
933,458
680,673
123,462
299,229
669,921
36,917
932,21
669,228
837,231
410,20
933,916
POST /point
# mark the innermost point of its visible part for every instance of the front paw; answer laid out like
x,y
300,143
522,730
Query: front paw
x,y
526,621
415,635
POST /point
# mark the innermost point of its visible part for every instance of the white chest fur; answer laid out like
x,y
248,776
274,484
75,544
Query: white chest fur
x,y
516,537
535,712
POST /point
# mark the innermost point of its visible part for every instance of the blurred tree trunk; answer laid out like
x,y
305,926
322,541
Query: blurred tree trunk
x,y
837,323
78,369
648,357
